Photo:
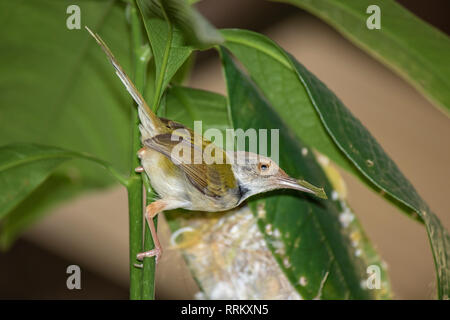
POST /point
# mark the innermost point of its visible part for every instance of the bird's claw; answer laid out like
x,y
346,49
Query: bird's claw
x,y
139,169
157,252
141,153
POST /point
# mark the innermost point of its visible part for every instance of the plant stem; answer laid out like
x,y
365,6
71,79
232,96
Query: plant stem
x,y
136,224
148,275
135,194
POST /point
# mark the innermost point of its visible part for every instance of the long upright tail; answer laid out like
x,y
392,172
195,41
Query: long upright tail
x,y
149,121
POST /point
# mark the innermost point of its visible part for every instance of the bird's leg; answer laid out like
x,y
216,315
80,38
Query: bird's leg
x,y
150,212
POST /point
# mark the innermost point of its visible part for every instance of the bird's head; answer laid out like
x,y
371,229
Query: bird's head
x,y
258,174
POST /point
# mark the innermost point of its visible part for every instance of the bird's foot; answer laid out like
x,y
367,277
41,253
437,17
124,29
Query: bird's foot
x,y
157,253
139,169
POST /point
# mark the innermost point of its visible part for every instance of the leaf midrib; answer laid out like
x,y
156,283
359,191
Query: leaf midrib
x,y
37,158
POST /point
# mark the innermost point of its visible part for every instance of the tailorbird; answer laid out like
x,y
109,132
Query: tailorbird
x,y
203,185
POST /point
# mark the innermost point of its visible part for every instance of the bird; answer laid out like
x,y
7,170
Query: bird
x,y
168,158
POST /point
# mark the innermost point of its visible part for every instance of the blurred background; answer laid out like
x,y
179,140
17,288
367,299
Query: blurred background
x,y
92,231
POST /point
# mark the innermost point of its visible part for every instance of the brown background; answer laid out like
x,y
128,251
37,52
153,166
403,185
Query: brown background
x,y
92,231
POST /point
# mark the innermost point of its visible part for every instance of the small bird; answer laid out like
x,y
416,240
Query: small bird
x,y
203,185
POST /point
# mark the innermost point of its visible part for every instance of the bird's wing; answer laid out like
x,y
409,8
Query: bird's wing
x,y
213,179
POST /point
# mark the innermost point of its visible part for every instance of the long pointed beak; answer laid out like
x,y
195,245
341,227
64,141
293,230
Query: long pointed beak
x,y
304,186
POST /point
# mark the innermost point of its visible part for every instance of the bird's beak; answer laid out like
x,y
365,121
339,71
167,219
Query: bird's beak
x,y
304,186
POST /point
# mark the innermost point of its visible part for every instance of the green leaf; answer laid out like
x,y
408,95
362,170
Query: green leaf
x,y
23,167
60,90
196,30
167,46
182,75
414,49
57,188
326,122
187,105
57,88
304,233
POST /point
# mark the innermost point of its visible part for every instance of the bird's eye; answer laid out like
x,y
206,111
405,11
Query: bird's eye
x,y
263,167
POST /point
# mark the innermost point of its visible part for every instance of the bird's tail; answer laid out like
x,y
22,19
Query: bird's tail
x,y
149,121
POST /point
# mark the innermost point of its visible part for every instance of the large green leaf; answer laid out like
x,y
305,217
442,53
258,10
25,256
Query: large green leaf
x,y
174,29
187,105
23,168
304,233
168,48
328,126
58,187
196,30
411,47
183,74
58,89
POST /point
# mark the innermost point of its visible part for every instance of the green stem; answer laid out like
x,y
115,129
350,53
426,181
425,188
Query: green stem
x,y
148,275
149,265
136,224
135,195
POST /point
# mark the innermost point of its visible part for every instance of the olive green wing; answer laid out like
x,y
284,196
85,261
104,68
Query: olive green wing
x,y
212,179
